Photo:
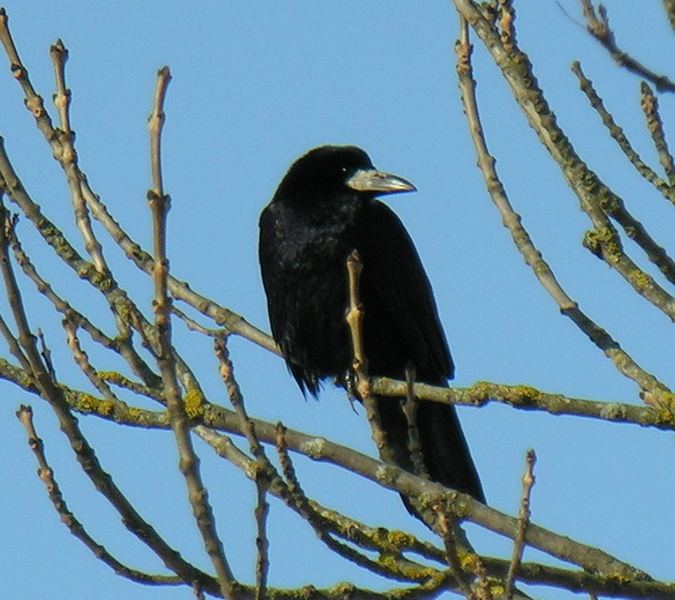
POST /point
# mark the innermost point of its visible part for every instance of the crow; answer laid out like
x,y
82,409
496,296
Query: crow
x,y
324,208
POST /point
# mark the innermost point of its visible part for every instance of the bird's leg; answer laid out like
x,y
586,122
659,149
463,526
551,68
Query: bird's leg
x,y
349,383
410,411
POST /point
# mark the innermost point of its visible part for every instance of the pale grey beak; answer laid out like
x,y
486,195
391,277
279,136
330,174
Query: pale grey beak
x,y
371,180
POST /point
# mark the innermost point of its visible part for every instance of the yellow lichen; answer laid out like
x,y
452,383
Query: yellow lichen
x,y
524,394
400,539
194,403
640,279
112,377
87,403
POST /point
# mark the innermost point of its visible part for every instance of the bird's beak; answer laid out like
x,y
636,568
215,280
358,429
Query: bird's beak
x,y
370,180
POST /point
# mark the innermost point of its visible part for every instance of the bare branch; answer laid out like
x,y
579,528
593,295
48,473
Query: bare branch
x,y
264,470
354,318
46,474
574,170
523,522
188,460
660,415
597,24
229,320
618,135
447,529
650,107
68,158
41,381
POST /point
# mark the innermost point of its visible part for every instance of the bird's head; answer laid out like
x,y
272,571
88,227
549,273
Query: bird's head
x,y
328,171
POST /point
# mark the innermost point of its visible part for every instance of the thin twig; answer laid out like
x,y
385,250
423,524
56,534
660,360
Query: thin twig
x,y
68,158
650,107
193,325
619,136
188,461
82,361
354,318
46,474
264,471
532,256
617,209
447,530
229,320
523,522
54,394
598,27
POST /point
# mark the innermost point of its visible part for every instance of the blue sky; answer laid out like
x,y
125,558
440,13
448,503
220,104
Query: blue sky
x,y
255,84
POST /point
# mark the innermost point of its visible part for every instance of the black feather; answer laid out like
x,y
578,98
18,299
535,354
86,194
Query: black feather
x,y
314,221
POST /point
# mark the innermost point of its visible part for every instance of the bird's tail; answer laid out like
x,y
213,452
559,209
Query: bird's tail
x,y
443,447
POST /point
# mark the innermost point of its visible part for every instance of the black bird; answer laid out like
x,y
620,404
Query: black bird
x,y
323,209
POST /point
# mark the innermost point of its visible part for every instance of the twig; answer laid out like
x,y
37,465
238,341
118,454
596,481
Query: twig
x,y
523,522
354,318
574,170
34,102
264,470
59,304
618,135
599,28
617,209
629,582
447,530
193,325
68,157
82,361
54,394
650,108
188,461
46,474
229,320
119,380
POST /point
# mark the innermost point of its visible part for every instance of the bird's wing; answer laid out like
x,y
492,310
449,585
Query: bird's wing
x,y
395,285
